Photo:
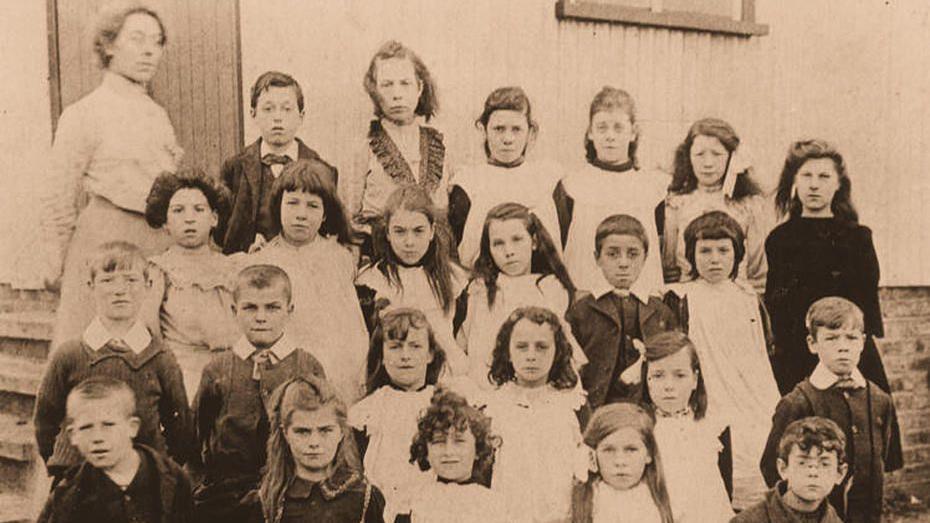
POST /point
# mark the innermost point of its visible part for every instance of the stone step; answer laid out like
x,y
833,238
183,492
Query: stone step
x,y
22,300
26,334
15,508
20,375
17,438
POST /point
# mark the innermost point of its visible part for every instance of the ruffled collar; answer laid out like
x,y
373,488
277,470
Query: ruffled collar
x,y
208,270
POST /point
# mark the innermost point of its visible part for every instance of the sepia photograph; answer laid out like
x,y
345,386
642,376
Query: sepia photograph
x,y
465,261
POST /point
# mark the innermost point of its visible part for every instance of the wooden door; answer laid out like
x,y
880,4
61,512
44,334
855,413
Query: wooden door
x,y
198,82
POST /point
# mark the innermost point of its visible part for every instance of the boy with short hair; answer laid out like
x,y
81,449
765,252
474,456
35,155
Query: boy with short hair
x,y
811,462
838,391
278,110
611,323
117,481
231,406
117,345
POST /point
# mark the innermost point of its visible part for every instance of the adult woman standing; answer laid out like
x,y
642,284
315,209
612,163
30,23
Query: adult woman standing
x,y
109,148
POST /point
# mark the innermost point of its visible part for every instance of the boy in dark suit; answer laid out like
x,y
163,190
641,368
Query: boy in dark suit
x,y
278,111
611,323
837,390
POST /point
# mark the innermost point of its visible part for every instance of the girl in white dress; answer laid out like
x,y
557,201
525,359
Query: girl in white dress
x,y
626,483
414,269
610,183
728,325
536,410
404,365
455,444
313,248
507,176
692,444
518,265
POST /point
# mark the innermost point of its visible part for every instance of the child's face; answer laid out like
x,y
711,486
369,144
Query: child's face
x,y
811,475
118,294
277,115
621,259
838,349
816,182
714,259
398,89
406,360
709,160
622,458
532,352
102,430
671,381
302,215
314,437
190,218
511,246
409,234
507,135
611,133
137,49
262,314
452,455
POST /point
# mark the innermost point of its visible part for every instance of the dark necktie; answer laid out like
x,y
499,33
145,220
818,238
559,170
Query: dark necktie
x,y
275,159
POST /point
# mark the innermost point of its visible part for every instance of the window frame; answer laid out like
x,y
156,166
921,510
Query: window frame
x,y
594,11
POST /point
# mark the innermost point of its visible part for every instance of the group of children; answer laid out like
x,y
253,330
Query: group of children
x,y
496,345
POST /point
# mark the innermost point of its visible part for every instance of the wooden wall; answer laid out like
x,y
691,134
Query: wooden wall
x,y
197,82
852,72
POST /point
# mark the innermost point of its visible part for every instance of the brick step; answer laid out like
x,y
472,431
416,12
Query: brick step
x,y
17,438
15,508
26,334
20,375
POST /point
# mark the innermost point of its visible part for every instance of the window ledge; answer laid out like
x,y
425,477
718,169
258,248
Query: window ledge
x,y
591,11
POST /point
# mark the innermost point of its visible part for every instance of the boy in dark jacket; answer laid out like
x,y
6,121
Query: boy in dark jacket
x,y
278,110
118,481
116,345
837,390
811,462
611,323
232,404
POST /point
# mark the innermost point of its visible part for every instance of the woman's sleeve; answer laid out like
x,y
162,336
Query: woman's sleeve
x,y
867,278
760,223
150,312
669,238
72,151
459,206
776,285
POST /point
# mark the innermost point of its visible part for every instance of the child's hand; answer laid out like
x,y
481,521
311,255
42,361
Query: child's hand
x,y
257,245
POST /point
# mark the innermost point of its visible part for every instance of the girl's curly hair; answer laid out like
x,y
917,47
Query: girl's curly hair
x,y
167,184
450,412
562,375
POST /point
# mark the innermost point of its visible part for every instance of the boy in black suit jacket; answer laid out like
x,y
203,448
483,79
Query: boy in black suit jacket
x,y
278,111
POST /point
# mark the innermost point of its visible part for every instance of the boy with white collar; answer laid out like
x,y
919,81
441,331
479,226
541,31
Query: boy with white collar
x,y
231,406
837,390
116,345
611,324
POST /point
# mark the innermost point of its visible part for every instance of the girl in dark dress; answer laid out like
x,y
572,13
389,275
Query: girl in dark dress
x,y
821,250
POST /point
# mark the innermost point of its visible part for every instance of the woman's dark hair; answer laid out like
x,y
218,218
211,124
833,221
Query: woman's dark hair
x,y
449,412
396,324
310,176
111,21
506,99
562,374
799,153
545,259
663,345
683,179
436,262
613,99
167,184
715,225
428,104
